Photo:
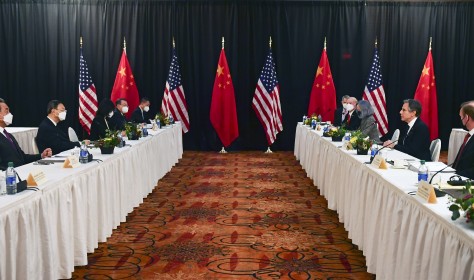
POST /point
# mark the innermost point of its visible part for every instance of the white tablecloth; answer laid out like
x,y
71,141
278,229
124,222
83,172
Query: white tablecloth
x,y
455,141
401,237
44,234
24,137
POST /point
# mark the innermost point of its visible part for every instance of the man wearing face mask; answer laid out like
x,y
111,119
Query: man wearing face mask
x,y
351,122
464,162
140,115
118,119
341,112
102,121
9,148
51,133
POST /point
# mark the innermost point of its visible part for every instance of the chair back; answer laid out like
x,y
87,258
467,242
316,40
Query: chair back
x,y
395,135
34,147
435,149
72,135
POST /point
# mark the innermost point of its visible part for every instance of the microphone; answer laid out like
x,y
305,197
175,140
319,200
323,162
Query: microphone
x,y
439,171
385,146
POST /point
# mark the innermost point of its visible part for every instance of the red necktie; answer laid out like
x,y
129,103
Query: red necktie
x,y
461,149
348,118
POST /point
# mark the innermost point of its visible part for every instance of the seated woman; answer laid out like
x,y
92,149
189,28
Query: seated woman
x,y
101,121
368,125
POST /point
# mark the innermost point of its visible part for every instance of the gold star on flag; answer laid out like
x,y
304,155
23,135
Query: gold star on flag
x,y
220,85
329,76
131,83
422,86
228,82
122,71
220,70
131,76
319,71
327,83
426,70
317,85
228,76
323,87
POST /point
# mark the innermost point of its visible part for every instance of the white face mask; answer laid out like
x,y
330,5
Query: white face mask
x,y
349,107
125,109
146,109
111,114
8,119
62,116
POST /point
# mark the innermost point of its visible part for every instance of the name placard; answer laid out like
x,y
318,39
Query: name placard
x,y
426,192
379,162
71,161
36,178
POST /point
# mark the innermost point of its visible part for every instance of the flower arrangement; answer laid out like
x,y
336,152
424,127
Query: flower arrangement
x,y
110,140
466,204
133,131
313,117
163,119
360,141
336,132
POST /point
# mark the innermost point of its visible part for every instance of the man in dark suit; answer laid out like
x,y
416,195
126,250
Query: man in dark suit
x,y
340,113
51,133
118,119
140,115
415,137
10,151
464,162
351,121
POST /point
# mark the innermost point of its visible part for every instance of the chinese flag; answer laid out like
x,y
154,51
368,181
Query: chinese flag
x,y
223,111
426,95
323,94
124,86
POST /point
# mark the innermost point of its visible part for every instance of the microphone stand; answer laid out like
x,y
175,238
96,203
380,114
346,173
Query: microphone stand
x,y
383,147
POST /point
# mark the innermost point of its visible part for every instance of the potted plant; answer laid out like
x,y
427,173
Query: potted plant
x,y
109,142
133,131
163,119
360,142
336,133
464,204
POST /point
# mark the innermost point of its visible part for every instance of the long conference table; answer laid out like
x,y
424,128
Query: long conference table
x,y
400,236
45,233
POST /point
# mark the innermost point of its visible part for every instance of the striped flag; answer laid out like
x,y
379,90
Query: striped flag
x,y
375,94
266,100
174,101
87,95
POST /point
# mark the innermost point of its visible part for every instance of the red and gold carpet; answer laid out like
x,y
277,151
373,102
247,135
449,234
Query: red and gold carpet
x,y
245,215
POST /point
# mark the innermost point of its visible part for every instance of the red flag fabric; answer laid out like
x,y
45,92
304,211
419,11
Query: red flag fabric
x,y
266,100
426,95
323,93
88,104
223,110
124,86
375,94
174,101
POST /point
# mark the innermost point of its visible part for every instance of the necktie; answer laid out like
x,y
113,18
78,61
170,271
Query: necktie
x,y
348,118
461,149
9,137
408,132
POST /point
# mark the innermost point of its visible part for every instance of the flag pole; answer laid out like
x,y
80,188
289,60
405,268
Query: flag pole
x,y
375,42
124,45
324,42
269,151
80,41
174,45
223,151
431,38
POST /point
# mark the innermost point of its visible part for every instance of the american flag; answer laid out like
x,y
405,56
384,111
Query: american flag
x,y
174,102
375,94
87,96
266,101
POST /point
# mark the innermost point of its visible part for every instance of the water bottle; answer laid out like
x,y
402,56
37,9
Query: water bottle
x,y
158,123
11,179
313,124
304,119
171,119
373,152
346,138
84,154
423,171
121,140
3,183
144,131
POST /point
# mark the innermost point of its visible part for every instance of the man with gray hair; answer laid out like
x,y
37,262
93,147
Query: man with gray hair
x,y
464,162
340,113
415,137
351,121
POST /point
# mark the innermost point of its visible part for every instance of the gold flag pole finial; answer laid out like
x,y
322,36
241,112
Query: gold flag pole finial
x,y
174,45
324,42
222,42
431,39
375,41
124,44
80,41
270,43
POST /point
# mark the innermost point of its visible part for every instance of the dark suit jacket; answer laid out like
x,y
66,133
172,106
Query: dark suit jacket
x,y
354,124
465,166
137,116
417,142
54,137
118,120
15,155
98,127
338,116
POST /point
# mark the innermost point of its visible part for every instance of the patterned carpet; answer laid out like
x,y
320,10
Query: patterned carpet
x,y
245,215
